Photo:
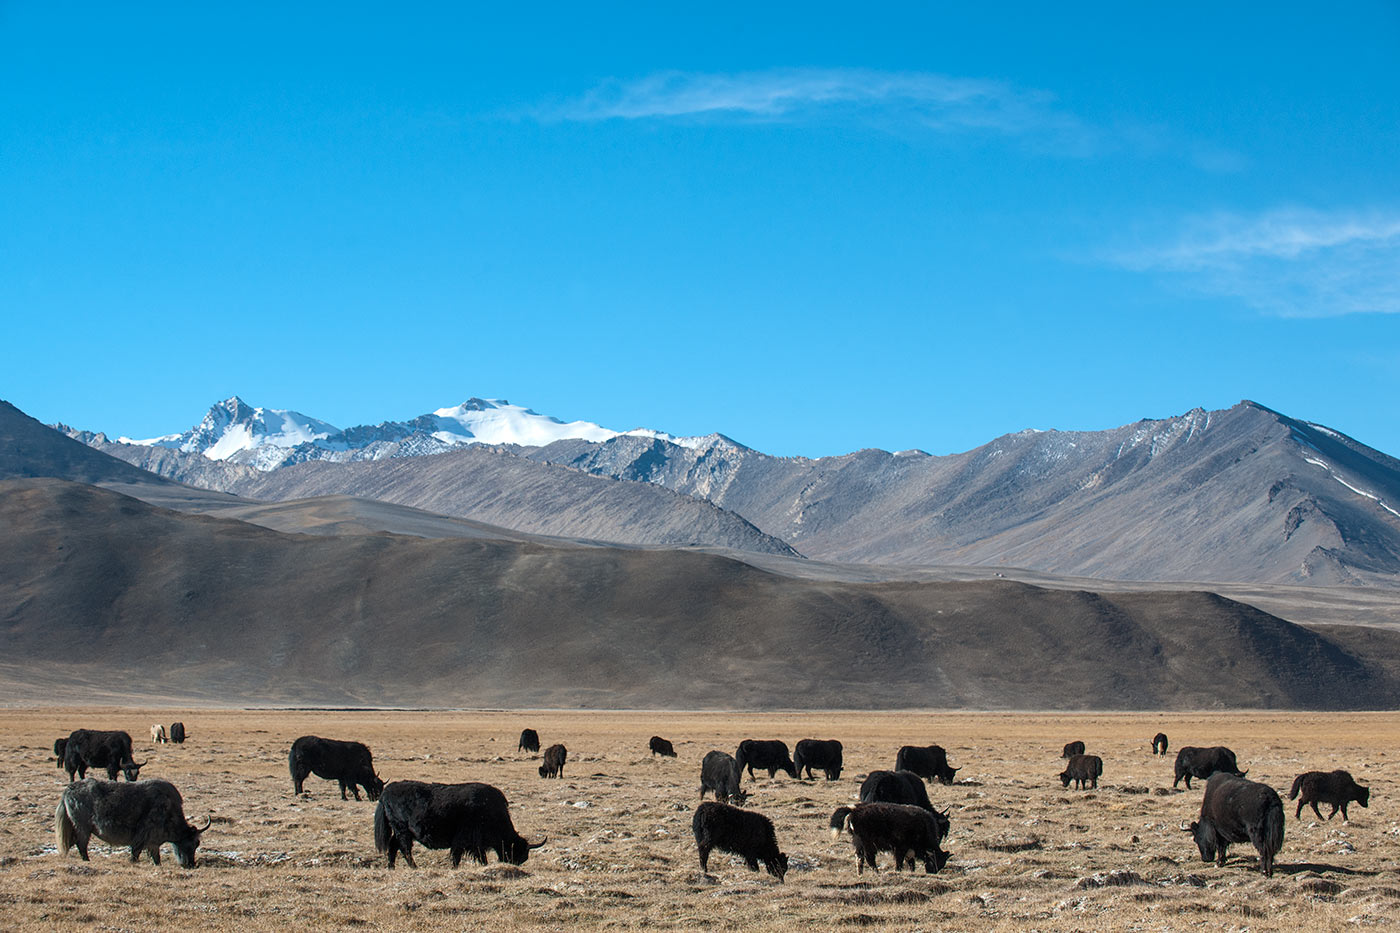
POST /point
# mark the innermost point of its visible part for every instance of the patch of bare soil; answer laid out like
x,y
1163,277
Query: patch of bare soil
x,y
1027,854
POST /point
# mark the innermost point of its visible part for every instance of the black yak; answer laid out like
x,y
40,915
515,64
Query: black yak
x,y
94,748
1203,762
349,763
554,758
904,787
823,754
177,733
660,746
142,815
467,819
1333,787
1159,744
745,833
1236,809
1072,749
720,773
1082,769
908,833
928,762
529,741
768,755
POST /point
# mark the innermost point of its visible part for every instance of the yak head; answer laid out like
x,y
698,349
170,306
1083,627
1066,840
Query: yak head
x,y
516,851
948,779
187,841
374,787
1204,834
132,769
1065,778
777,867
1363,795
935,862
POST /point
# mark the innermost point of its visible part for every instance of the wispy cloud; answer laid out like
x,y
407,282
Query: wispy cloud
x,y
1293,263
934,101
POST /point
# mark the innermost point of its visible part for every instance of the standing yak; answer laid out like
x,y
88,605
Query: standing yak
x,y
1337,788
141,815
720,773
747,834
928,762
529,741
467,819
662,747
1192,761
770,755
1236,809
95,748
349,763
823,754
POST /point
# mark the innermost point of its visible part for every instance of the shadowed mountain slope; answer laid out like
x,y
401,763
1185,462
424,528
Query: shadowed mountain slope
x,y
1245,495
30,448
101,592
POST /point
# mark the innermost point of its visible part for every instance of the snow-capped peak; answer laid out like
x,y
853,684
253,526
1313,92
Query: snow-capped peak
x,y
497,421
232,426
267,438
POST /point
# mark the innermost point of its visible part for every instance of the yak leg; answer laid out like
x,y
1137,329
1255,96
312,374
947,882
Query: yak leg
x,y
1220,855
1344,812
355,789
704,858
1315,809
154,852
80,840
406,847
1302,802
136,848
1335,808
752,862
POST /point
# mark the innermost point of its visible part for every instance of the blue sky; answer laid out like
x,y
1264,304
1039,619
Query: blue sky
x,y
814,229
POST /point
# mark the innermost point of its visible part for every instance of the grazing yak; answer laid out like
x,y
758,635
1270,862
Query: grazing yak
x,y
177,733
720,773
906,832
60,746
349,763
660,746
1236,809
1159,744
1203,762
929,763
467,819
1334,787
1082,769
554,758
529,741
1072,749
745,833
158,734
141,815
904,787
94,748
771,756
823,754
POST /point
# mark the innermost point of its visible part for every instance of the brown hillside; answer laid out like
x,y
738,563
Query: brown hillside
x,y
101,594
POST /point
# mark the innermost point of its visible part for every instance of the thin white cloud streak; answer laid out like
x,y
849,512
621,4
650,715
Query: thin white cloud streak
x,y
1291,263
792,95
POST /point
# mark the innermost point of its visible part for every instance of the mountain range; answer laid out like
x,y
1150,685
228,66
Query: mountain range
x,y
1244,495
120,586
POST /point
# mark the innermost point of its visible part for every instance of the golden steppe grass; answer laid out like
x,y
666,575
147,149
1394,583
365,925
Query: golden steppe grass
x,y
1027,854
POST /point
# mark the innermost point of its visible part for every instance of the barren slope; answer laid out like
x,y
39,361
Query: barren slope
x,y
97,588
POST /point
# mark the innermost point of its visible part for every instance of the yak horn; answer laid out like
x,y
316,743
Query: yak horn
x,y
536,845
1185,827
140,764
207,823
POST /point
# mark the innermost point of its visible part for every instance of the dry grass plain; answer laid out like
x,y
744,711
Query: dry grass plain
x,y
1027,854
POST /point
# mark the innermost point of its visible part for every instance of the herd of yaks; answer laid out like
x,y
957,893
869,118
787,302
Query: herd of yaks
x,y
894,813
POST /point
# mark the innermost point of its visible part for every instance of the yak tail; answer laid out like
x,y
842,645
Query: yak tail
x,y
1273,829
381,828
1297,786
62,829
